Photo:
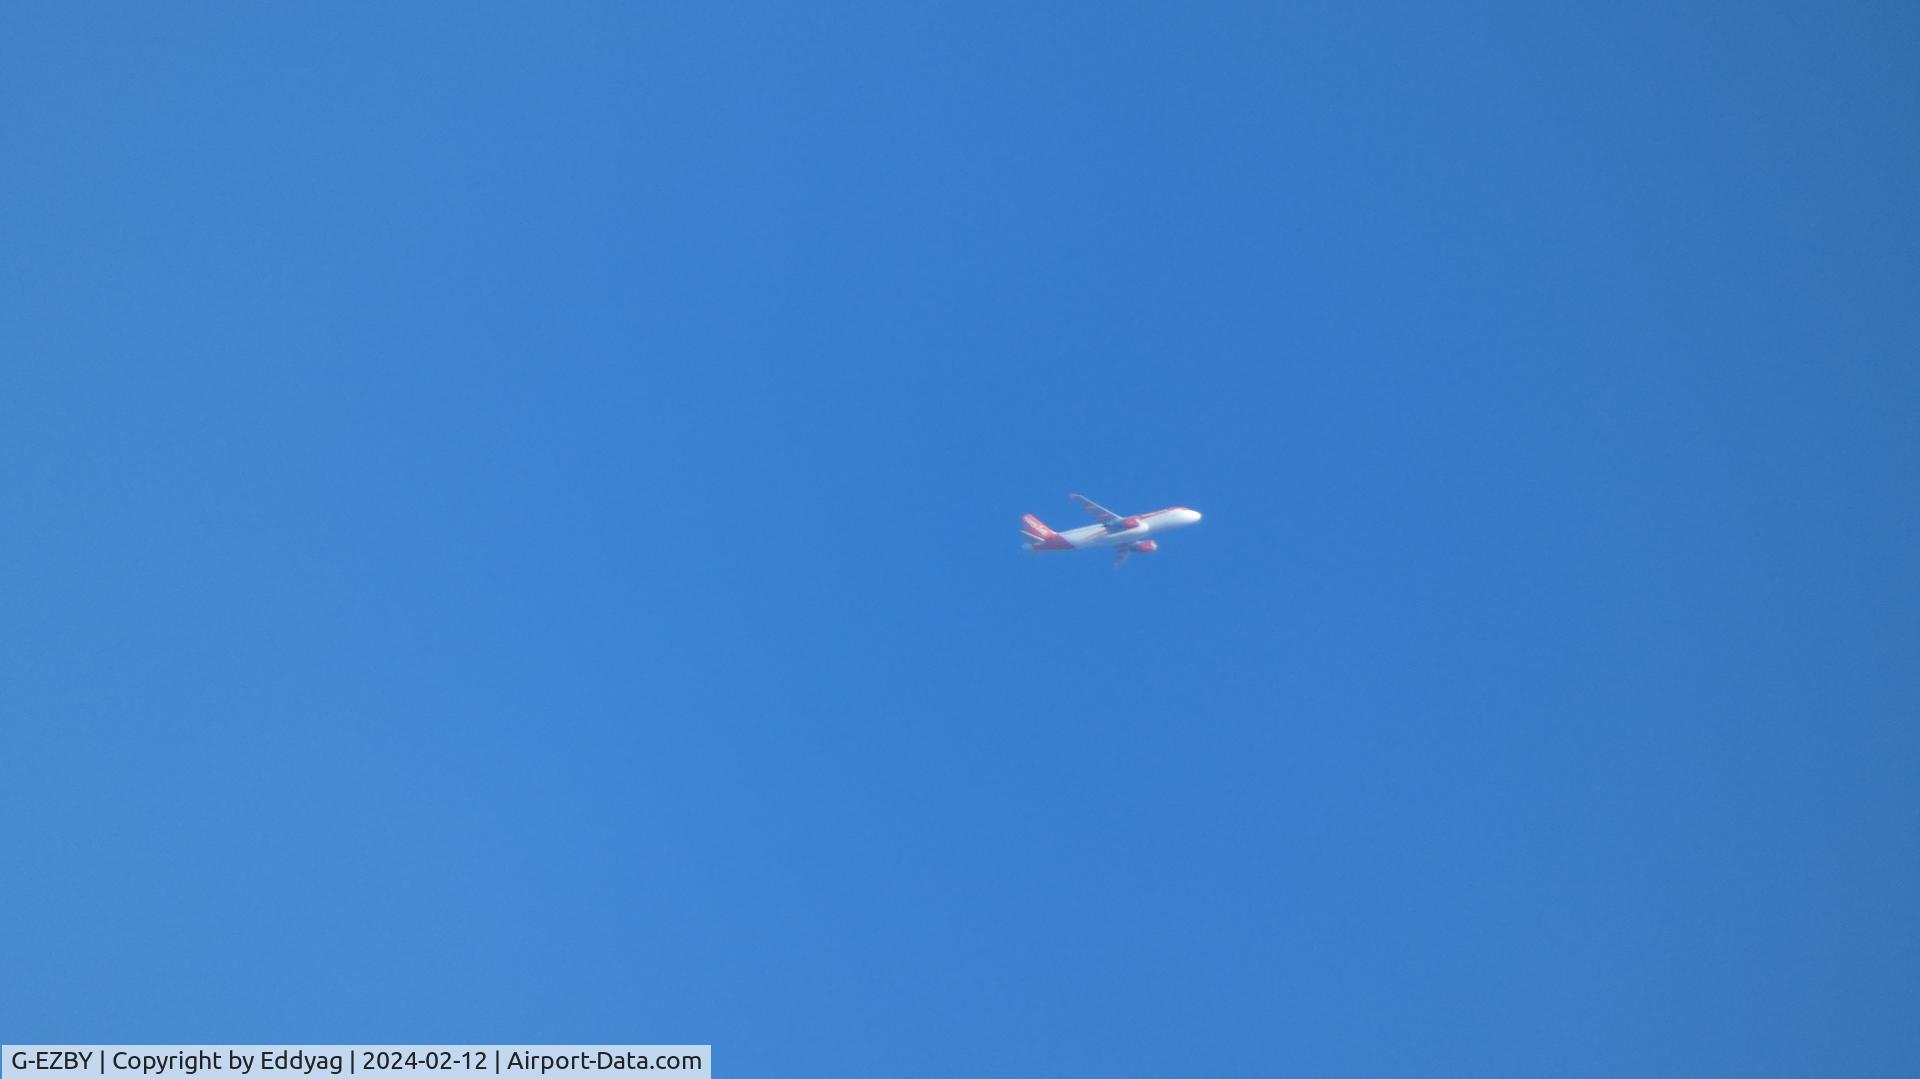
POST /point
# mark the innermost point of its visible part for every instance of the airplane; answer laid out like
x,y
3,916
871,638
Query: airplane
x,y
1126,535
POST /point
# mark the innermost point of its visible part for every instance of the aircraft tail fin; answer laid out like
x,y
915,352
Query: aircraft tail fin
x,y
1040,537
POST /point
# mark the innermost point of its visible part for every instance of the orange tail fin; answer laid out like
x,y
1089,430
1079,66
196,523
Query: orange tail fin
x,y
1040,537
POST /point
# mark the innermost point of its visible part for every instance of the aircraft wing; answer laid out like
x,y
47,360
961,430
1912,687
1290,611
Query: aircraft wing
x,y
1100,513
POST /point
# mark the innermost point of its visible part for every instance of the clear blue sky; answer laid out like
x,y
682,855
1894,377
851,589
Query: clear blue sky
x,y
509,533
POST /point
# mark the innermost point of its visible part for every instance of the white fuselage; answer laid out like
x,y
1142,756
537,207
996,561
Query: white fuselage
x,y
1150,525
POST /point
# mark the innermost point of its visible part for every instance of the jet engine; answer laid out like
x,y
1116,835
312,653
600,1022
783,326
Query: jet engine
x,y
1146,546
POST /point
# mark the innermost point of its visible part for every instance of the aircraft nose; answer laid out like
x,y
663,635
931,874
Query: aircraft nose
x,y
1193,516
